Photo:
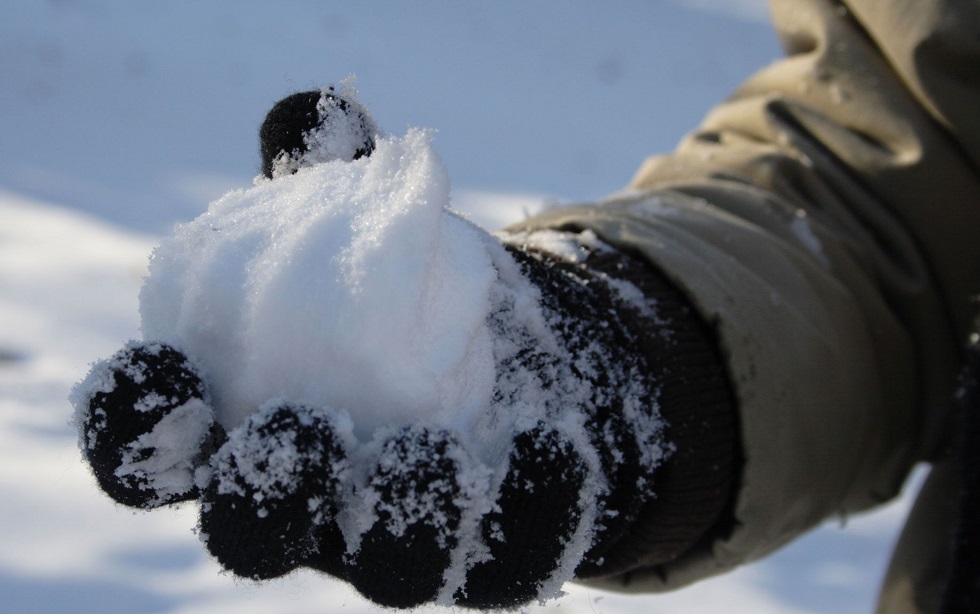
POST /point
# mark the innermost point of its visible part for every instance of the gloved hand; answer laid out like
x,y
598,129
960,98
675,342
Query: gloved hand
x,y
274,494
569,459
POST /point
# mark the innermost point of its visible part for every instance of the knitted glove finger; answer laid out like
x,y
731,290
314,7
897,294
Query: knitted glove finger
x,y
316,126
419,540
418,507
539,509
275,482
145,424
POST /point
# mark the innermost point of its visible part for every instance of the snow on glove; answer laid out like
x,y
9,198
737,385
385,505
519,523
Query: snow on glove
x,y
146,425
274,483
410,405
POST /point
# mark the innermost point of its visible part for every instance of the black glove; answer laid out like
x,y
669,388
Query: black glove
x,y
273,496
412,517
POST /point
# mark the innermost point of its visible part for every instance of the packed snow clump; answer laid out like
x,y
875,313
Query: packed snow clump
x,y
347,285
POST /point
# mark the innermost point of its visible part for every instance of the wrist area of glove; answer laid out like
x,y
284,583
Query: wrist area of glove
x,y
690,495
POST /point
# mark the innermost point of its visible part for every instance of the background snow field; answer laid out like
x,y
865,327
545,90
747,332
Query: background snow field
x,y
120,119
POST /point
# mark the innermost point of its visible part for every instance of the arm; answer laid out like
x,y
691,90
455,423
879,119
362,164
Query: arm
x,y
824,217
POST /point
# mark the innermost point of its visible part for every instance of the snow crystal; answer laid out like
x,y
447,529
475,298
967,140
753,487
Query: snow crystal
x,y
151,402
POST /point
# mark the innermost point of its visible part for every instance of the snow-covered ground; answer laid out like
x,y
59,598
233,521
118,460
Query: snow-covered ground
x,y
121,118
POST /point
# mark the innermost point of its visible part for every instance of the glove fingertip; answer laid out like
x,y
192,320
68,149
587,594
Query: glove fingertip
x,y
143,418
405,554
273,483
539,510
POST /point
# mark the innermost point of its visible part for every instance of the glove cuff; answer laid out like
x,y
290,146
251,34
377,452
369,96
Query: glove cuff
x,y
688,498
696,485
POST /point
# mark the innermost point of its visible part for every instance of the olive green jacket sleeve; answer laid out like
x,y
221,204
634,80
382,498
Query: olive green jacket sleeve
x,y
826,220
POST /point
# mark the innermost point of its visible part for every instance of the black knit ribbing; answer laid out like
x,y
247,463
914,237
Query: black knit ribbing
x,y
676,351
695,488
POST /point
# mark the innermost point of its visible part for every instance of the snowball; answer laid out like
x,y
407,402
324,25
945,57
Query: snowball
x,y
348,285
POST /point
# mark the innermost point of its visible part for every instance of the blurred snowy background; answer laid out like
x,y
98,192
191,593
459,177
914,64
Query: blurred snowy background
x,y
120,118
